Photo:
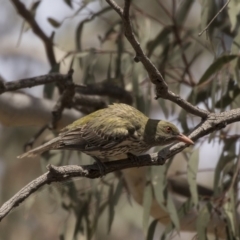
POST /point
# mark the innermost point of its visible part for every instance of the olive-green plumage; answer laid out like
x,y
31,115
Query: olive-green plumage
x,y
113,132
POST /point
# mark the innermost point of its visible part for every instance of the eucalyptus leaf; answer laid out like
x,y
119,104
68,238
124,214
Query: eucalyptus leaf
x,y
147,200
216,66
203,221
69,3
230,212
192,175
151,229
183,11
54,22
173,212
111,208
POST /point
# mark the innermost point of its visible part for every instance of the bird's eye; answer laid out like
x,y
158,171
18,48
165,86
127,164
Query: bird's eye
x,y
168,129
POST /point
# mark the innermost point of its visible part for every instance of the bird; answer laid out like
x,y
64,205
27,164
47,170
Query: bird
x,y
113,133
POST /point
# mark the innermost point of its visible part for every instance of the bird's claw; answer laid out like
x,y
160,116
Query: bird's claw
x,y
101,166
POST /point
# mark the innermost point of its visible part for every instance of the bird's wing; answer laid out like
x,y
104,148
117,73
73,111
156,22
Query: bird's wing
x,y
91,138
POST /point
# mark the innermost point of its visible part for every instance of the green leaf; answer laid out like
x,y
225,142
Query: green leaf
x,y
147,200
163,106
182,12
159,39
69,3
203,220
216,66
34,7
209,10
151,229
111,208
118,192
230,212
160,183
173,212
182,212
234,65
192,175
183,120
54,22
228,155
233,12
231,94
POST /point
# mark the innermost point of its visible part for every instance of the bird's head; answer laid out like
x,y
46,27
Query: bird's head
x,y
159,132
167,133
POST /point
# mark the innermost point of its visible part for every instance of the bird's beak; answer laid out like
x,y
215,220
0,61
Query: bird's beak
x,y
184,139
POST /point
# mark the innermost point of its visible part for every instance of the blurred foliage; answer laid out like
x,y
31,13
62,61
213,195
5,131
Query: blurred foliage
x,y
168,34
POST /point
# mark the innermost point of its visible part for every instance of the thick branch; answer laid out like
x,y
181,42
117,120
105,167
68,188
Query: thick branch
x,y
32,82
21,9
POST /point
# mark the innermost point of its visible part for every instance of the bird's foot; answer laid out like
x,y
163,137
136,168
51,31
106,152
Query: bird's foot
x,y
133,158
101,166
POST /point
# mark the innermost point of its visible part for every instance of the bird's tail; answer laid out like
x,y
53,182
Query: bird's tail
x,y
52,144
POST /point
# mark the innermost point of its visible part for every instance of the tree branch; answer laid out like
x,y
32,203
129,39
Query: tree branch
x,y
155,76
64,101
32,82
21,9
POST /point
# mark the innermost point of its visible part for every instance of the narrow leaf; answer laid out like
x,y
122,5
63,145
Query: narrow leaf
x,y
182,212
230,211
216,66
192,175
111,208
69,3
173,212
183,10
147,200
203,220
151,229
159,184
54,22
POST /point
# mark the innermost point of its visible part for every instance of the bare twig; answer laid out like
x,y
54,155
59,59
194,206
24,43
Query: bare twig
x,y
81,25
206,28
65,100
32,82
154,75
21,9
30,143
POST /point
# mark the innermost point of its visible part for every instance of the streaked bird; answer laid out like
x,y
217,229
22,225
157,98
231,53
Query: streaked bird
x,y
113,133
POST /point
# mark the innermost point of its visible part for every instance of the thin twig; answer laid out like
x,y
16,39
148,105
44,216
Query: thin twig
x,y
48,44
30,143
154,75
205,29
65,100
32,82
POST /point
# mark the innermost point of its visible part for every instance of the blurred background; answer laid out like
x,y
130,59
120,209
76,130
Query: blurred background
x,y
95,47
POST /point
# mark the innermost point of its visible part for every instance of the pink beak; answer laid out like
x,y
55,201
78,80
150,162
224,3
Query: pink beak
x,y
184,139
